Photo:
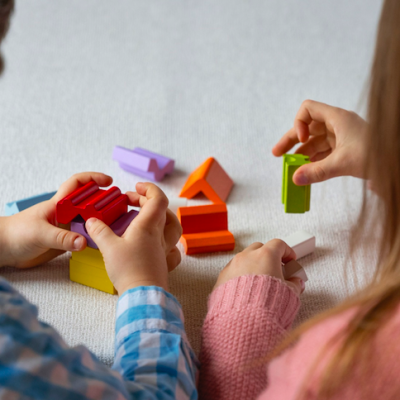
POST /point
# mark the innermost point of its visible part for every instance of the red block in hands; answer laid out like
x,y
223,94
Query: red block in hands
x,y
91,201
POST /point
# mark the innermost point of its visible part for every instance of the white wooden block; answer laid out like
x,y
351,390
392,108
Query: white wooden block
x,y
294,270
176,202
301,242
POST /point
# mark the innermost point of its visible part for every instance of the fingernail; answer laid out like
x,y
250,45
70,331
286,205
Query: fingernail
x,y
90,222
303,285
78,242
301,179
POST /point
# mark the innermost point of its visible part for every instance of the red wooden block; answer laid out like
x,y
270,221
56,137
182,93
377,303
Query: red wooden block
x,y
205,229
91,201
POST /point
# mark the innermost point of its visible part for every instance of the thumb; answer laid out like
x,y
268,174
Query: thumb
x,y
61,239
314,172
101,233
297,284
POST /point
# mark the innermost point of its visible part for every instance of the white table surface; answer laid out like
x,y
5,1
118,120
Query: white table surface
x,y
188,80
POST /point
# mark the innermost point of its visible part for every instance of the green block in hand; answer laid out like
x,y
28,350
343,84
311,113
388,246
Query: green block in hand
x,y
295,198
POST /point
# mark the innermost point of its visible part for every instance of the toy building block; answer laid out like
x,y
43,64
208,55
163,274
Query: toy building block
x,y
20,205
205,229
144,163
91,201
294,270
175,203
119,226
87,268
301,242
295,198
209,179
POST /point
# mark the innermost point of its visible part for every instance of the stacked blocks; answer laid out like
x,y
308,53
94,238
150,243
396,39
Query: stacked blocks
x,y
144,163
87,267
205,229
20,205
295,198
209,179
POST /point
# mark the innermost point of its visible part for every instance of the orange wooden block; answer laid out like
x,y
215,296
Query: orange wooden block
x,y
205,229
209,179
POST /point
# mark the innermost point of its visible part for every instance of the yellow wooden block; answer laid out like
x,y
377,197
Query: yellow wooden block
x,y
91,276
89,256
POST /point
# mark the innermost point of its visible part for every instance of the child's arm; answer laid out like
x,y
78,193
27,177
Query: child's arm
x,y
333,138
250,309
153,357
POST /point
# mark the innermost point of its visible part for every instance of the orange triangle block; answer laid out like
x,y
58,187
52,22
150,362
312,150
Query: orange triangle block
x,y
209,179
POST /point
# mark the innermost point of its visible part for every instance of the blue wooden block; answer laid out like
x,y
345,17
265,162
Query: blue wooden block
x,y
16,206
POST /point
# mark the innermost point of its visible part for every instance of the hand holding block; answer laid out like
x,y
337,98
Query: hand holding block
x,y
205,229
294,270
209,179
118,227
20,205
301,242
144,163
90,201
295,198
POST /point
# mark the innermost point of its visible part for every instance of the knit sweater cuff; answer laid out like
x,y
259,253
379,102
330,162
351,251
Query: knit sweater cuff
x,y
255,291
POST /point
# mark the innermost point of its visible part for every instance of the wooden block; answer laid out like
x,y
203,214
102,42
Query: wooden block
x,y
211,180
89,256
19,205
301,242
91,276
91,201
208,218
295,198
144,163
293,269
205,229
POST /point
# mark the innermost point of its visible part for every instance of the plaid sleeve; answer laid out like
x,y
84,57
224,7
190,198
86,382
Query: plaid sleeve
x,y
36,363
151,349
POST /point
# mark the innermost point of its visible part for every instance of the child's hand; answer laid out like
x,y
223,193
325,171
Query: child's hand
x,y
31,237
147,250
333,138
262,259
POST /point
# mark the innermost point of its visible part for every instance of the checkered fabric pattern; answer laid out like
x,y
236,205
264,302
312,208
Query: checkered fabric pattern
x,y
153,359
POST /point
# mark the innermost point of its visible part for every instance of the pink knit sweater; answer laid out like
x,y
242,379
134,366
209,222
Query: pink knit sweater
x,y
246,318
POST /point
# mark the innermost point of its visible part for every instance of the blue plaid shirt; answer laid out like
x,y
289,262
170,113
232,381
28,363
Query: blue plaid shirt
x,y
153,358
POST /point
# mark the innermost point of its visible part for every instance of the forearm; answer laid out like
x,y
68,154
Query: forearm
x,y
246,319
151,349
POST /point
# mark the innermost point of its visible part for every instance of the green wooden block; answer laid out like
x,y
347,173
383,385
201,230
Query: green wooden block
x,y
295,198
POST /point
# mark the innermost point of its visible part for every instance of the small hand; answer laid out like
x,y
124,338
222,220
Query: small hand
x,y
147,250
333,138
262,259
32,236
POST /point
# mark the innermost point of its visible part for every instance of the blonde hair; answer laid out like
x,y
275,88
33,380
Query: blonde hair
x,y
376,303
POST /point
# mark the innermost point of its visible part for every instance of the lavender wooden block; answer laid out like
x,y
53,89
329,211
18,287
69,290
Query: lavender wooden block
x,y
118,227
144,163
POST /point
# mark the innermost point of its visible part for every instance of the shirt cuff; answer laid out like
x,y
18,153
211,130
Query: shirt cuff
x,y
255,291
149,309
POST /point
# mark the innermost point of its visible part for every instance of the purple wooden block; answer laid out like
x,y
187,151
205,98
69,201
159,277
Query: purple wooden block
x,y
144,163
118,227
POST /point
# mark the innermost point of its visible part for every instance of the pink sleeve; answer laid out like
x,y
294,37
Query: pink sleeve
x,y
246,318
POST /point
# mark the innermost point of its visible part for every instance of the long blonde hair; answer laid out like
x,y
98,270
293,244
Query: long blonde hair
x,y
376,303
